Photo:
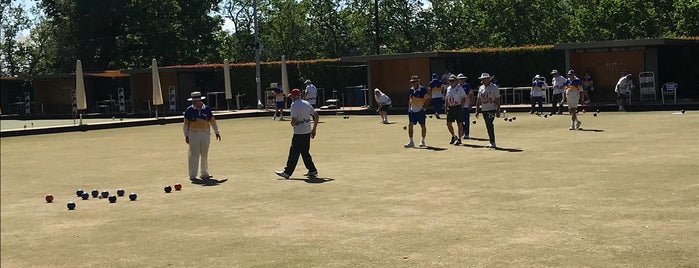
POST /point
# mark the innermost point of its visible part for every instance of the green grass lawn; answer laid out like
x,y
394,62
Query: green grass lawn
x,y
622,193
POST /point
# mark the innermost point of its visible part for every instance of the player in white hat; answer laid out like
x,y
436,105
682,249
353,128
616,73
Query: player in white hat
x,y
198,119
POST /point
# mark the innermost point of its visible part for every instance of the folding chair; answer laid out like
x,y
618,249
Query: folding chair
x,y
669,88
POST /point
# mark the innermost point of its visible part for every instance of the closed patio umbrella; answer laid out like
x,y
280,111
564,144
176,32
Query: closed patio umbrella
x,y
157,91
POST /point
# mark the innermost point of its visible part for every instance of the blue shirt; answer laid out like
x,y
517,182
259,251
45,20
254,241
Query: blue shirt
x,y
417,98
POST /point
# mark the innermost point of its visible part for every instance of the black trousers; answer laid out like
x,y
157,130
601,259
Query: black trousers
x,y
556,99
489,117
300,145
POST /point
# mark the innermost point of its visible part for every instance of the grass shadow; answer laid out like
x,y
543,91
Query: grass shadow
x,y
477,139
473,145
431,148
591,130
511,150
310,179
208,182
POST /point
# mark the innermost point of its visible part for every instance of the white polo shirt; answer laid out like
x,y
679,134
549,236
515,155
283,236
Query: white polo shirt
x,y
311,93
302,110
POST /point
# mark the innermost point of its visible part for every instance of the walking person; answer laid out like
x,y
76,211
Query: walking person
x,y
588,87
538,93
279,102
304,120
436,90
558,84
467,104
623,89
489,100
198,119
383,102
310,94
416,110
573,98
455,111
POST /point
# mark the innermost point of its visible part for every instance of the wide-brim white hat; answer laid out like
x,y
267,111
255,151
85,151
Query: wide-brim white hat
x,y
196,95
484,76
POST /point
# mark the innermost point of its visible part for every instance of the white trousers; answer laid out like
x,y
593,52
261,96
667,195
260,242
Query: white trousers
x,y
199,151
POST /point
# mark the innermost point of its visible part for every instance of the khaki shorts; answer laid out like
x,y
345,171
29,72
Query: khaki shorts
x,y
572,98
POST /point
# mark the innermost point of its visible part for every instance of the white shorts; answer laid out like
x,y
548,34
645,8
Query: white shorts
x,y
572,98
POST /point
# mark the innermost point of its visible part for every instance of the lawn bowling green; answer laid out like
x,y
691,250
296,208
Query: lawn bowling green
x,y
623,192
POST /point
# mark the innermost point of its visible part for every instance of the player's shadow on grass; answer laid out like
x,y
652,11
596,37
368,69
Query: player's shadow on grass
x,y
431,148
209,182
511,150
591,130
477,139
310,179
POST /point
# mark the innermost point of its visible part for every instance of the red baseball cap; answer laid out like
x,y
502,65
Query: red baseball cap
x,y
295,92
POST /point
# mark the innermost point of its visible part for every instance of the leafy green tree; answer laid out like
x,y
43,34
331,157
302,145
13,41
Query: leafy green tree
x,y
686,17
121,34
239,44
358,17
284,24
326,34
13,51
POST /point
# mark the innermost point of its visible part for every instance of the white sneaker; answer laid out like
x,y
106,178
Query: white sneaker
x,y
492,145
422,144
409,145
577,124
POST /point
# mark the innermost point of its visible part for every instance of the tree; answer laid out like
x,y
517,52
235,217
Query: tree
x,y
283,25
122,34
13,51
686,18
326,36
239,44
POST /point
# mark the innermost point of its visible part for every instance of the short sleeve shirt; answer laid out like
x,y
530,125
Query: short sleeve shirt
x,y
278,94
487,96
538,89
455,95
311,91
417,98
302,110
436,88
573,84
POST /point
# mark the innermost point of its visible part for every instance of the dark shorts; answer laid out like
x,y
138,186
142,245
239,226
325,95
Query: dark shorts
x,y
455,113
383,108
622,96
279,104
416,117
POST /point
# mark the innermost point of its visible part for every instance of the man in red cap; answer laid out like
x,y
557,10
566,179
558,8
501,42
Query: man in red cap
x,y
304,120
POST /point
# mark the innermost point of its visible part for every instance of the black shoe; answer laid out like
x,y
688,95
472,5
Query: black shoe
x,y
453,139
437,116
282,174
458,142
